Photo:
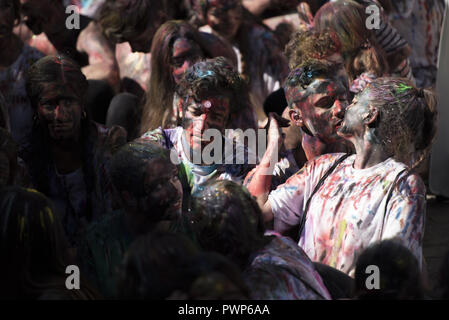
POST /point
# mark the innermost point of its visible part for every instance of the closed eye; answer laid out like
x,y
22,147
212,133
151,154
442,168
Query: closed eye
x,y
325,102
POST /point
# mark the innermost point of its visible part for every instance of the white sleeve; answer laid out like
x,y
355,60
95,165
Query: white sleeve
x,y
287,206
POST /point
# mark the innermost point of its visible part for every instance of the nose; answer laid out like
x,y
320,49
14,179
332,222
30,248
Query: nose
x,y
60,113
339,109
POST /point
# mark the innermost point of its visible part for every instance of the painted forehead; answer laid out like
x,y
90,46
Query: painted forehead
x,y
335,86
54,90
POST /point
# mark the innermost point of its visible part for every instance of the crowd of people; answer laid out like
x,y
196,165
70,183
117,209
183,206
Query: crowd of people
x,y
217,149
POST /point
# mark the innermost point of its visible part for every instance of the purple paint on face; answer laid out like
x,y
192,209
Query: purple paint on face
x,y
185,53
60,111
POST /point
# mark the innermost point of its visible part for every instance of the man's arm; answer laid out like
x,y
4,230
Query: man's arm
x,y
258,181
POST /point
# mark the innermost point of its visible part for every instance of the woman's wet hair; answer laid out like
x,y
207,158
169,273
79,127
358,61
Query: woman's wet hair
x,y
57,72
399,273
407,116
225,218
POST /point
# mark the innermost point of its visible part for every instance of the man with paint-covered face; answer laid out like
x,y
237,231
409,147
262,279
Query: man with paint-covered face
x,y
317,93
213,96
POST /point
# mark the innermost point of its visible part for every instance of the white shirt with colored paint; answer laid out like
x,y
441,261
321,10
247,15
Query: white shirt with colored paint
x,y
350,210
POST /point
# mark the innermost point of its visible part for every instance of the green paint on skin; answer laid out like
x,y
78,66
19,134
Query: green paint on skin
x,y
402,88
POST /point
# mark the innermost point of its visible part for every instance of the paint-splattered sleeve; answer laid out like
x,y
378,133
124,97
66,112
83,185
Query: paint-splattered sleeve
x,y
405,214
287,201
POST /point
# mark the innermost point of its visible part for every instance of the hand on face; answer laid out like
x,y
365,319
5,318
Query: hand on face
x,y
211,113
61,114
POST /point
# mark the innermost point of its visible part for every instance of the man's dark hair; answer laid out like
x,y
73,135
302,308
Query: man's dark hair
x,y
308,71
128,165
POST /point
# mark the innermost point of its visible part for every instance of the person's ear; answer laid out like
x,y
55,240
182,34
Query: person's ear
x,y
371,117
296,118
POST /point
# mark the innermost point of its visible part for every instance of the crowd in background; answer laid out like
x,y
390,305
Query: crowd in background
x,y
101,126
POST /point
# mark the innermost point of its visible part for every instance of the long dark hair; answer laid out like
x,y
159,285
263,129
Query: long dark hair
x,y
158,107
57,70
347,19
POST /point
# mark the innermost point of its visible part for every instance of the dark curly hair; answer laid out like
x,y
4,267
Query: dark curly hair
x,y
310,69
225,218
216,75
311,44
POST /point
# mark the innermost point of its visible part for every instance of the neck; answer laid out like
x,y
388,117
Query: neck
x,y
314,147
369,151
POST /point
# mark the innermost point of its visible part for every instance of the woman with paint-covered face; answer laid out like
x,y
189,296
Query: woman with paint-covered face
x,y
176,47
68,156
342,203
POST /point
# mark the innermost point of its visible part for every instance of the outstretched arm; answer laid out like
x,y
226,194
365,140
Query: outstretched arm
x,y
258,181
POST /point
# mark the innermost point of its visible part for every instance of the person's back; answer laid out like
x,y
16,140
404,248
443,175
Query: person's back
x,y
224,218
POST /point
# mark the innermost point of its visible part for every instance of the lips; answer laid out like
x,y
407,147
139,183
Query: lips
x,y
338,124
61,130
